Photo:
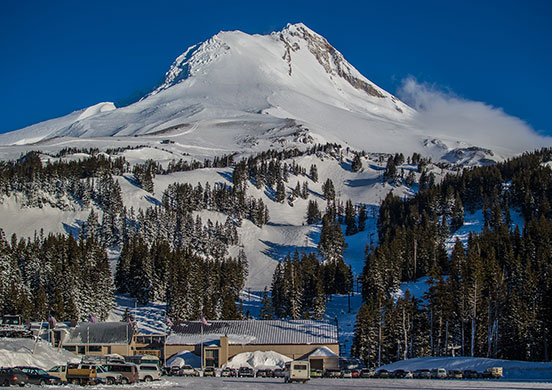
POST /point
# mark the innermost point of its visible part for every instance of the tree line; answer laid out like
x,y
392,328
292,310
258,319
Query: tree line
x,y
489,296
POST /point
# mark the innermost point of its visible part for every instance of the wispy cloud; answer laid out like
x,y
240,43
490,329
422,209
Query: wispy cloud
x,y
442,114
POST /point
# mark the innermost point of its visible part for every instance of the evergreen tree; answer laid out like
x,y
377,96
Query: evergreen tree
x,y
267,310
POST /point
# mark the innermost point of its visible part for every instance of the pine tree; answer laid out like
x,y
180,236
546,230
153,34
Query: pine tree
x,y
328,190
313,213
267,310
356,164
313,173
280,192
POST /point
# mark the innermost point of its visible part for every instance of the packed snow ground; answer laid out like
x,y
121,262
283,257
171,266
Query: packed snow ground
x,y
317,383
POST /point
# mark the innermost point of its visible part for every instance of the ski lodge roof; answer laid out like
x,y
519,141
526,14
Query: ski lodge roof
x,y
100,333
258,332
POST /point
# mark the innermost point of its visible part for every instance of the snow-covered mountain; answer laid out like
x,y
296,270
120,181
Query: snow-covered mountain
x,y
240,92
247,93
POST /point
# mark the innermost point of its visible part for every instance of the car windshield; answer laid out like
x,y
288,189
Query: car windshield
x,y
41,372
100,369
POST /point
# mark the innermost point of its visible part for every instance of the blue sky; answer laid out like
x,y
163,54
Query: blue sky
x,y
59,56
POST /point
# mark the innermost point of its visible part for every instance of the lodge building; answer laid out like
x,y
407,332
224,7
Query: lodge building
x,y
217,343
223,340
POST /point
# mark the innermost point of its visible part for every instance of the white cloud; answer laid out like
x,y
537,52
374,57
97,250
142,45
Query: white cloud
x,y
442,114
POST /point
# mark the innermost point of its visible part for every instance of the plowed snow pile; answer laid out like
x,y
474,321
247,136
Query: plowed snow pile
x,y
258,360
19,352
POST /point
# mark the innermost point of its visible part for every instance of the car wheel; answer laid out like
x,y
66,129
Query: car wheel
x,y
125,381
6,383
75,381
110,381
148,379
42,382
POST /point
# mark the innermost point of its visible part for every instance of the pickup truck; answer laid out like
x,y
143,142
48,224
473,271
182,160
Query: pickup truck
x,y
81,376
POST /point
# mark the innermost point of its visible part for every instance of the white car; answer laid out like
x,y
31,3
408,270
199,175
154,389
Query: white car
x,y
149,372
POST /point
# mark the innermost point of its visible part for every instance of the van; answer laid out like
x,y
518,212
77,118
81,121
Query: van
x,y
438,373
149,372
129,371
297,371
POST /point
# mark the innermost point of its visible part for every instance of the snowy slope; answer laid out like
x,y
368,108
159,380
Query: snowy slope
x,y
240,92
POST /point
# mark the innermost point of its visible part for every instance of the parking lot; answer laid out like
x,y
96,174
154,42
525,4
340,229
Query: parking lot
x,y
322,383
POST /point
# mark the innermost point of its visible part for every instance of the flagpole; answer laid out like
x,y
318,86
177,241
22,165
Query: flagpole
x,y
202,345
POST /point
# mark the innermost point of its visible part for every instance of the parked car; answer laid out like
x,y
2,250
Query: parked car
x,y
37,376
438,373
279,373
492,372
246,372
423,373
382,373
470,374
316,373
129,371
188,370
13,376
367,373
332,373
346,374
149,372
264,373
173,370
356,373
454,374
209,371
401,374
228,372
104,375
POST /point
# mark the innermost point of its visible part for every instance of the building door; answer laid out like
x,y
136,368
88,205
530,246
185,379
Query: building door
x,y
317,364
212,357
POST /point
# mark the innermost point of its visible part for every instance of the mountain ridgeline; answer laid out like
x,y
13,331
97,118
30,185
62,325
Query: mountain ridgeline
x,y
491,296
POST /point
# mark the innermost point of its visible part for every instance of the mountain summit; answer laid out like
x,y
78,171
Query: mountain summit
x,y
240,92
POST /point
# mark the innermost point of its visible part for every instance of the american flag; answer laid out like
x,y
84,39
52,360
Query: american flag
x,y
204,321
168,321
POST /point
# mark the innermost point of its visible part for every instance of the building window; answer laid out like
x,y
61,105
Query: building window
x,y
94,348
81,350
70,348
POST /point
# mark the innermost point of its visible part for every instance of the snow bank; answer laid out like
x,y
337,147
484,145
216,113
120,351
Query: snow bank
x,y
19,352
258,360
184,357
513,369
323,352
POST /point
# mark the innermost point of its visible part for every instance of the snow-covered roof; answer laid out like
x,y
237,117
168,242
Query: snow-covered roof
x,y
101,333
255,332
323,352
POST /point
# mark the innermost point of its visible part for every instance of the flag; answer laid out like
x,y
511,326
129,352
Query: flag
x,y
92,319
204,321
52,321
168,321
